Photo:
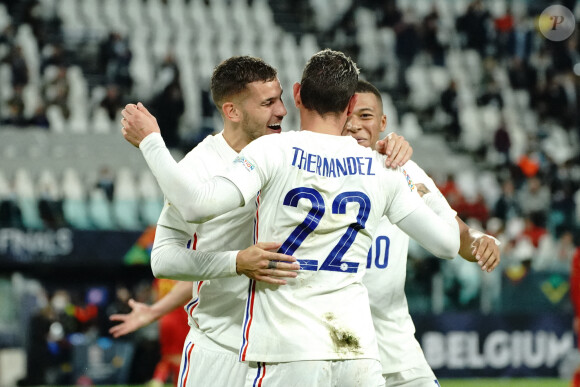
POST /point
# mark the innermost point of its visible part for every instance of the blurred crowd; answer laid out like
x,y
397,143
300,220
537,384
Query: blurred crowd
x,y
61,323
526,190
40,65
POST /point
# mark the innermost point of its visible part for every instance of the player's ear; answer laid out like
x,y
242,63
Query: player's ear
x,y
296,93
383,122
231,112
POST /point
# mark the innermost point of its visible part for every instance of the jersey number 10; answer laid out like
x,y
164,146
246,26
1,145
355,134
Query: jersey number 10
x,y
380,242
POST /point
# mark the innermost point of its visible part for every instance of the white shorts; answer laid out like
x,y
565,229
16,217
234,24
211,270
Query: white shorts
x,y
316,373
421,376
202,366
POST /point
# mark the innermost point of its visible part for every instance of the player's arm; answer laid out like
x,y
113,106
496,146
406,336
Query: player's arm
x,y
439,235
143,314
478,247
170,259
197,201
475,246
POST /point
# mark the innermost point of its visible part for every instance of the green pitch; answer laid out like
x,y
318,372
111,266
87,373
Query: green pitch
x,y
538,382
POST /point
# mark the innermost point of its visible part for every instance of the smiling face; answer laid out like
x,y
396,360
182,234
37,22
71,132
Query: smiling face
x,y
367,121
262,109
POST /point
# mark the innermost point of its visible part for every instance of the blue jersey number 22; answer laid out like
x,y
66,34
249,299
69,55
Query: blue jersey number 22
x,y
334,260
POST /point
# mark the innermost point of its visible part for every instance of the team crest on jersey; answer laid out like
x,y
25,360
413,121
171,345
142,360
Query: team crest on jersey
x,y
242,160
409,181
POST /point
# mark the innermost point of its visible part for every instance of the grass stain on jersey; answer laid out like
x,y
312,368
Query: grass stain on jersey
x,y
344,340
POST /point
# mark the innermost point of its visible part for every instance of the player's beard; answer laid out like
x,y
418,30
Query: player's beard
x,y
252,128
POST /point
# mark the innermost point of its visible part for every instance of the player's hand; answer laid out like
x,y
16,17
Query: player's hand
x,y
138,123
141,315
261,263
396,148
486,252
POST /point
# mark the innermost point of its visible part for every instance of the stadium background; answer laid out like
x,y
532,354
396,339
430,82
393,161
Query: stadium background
x,y
489,105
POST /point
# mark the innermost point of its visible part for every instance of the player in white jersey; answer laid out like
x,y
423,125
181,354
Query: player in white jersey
x,y
402,359
248,95
311,182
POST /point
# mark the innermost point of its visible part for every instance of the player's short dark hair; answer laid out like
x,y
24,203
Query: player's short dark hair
x,y
232,75
366,87
328,82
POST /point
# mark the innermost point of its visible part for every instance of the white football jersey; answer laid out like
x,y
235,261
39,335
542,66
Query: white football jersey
x,y
323,197
217,307
385,280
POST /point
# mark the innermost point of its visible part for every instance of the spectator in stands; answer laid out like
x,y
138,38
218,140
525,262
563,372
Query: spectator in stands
x,y
166,74
15,59
168,107
555,98
53,55
520,40
114,59
106,182
502,143
50,208
451,191
564,54
120,305
520,74
48,350
474,24
534,197
449,104
563,206
113,101
15,109
56,89
388,14
347,29
474,208
518,250
490,90
503,28
529,163
407,44
430,37
570,86
541,62
8,35
555,252
38,357
534,228
507,206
